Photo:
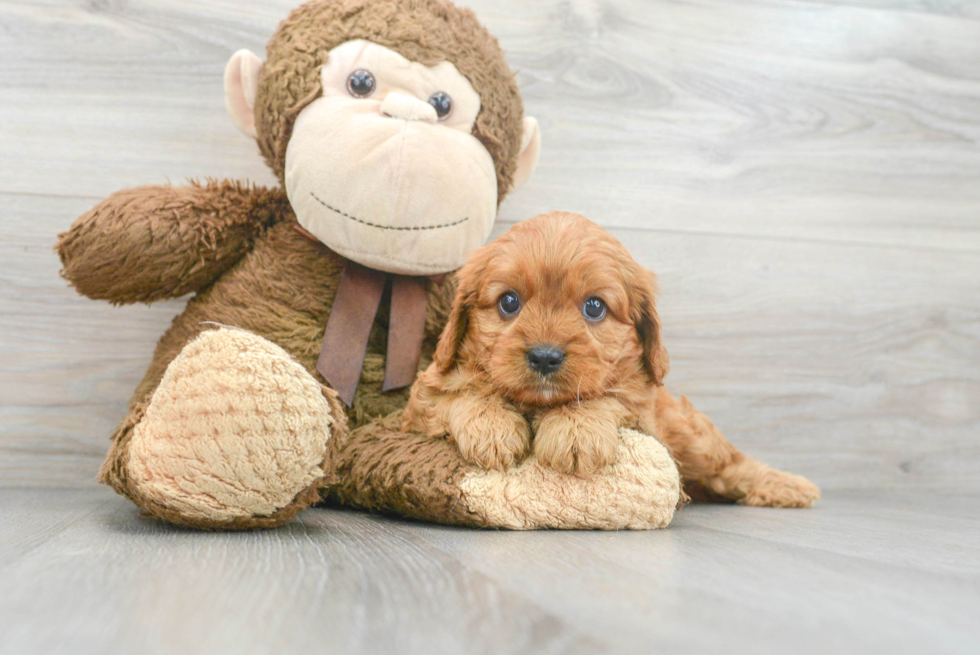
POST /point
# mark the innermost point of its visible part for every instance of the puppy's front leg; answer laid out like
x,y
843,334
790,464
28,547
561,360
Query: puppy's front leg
x,y
487,431
578,438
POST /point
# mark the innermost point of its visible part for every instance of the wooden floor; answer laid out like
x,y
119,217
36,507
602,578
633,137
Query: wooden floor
x,y
803,175
867,572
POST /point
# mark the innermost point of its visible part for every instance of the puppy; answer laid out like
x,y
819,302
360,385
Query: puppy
x,y
552,345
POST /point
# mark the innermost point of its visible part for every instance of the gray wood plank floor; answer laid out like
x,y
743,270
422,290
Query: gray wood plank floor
x,y
865,572
804,176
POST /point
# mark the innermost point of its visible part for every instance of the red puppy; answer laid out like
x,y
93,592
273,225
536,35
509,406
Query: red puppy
x,y
552,345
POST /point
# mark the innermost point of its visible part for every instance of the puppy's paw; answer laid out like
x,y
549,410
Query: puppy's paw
x,y
575,442
780,489
490,436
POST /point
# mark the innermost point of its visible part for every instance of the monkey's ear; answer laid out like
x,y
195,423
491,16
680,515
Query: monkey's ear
x,y
241,84
530,149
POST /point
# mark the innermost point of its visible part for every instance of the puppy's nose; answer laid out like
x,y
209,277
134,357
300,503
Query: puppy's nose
x,y
545,359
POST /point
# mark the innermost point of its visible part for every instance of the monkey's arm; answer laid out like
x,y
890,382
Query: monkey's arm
x,y
156,242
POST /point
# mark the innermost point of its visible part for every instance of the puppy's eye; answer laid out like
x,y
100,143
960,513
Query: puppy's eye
x,y
509,304
442,103
594,309
360,83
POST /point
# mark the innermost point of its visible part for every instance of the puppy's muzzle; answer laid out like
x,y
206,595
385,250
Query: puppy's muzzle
x,y
544,359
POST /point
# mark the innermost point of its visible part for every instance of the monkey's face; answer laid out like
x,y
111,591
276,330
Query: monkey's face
x,y
395,126
383,168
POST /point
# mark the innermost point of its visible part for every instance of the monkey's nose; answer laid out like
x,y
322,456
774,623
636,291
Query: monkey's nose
x,y
408,108
545,359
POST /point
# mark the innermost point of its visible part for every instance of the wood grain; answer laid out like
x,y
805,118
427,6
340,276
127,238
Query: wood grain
x,y
802,175
901,579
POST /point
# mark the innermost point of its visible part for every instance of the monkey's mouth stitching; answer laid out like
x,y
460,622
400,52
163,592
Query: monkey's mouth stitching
x,y
387,227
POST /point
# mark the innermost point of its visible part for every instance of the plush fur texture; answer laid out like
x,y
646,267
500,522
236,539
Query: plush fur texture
x,y
236,246
482,392
281,290
639,492
378,468
236,429
424,31
153,243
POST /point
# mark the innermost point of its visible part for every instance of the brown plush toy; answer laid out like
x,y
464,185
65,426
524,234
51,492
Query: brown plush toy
x,y
395,128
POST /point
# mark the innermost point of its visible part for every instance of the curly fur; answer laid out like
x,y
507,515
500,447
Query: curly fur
x,y
481,392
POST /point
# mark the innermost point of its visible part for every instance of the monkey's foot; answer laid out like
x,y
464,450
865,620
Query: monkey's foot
x,y
774,488
234,437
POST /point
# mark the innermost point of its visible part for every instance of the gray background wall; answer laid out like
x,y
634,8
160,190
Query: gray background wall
x,y
804,177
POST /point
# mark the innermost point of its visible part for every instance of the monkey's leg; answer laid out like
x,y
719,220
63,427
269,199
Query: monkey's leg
x,y
235,436
380,468
708,462
156,242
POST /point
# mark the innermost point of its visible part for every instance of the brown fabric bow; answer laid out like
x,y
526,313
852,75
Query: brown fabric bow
x,y
349,327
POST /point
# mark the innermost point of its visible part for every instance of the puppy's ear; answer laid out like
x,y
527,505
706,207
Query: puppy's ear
x,y
642,288
468,278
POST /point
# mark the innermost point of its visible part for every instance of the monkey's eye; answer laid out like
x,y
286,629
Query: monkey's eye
x,y
443,104
509,304
594,309
360,83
